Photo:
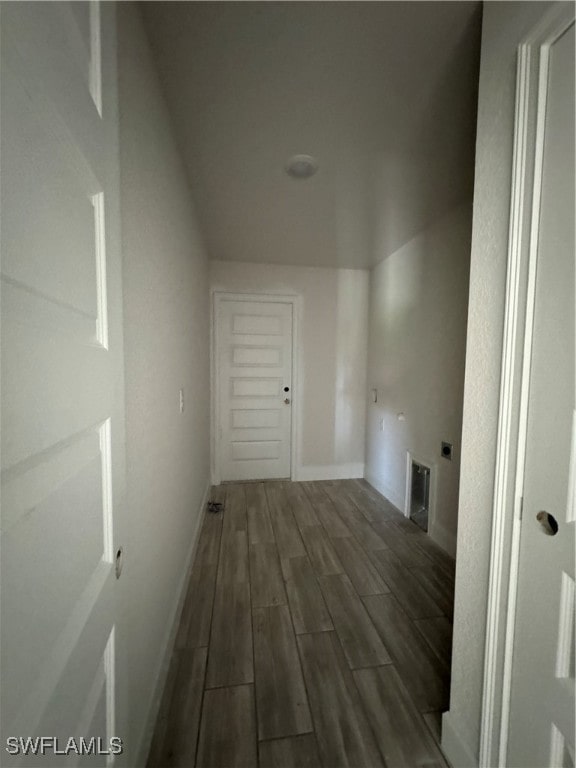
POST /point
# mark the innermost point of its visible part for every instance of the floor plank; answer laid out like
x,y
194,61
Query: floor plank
x,y
293,752
156,753
424,676
415,600
407,526
259,522
313,490
342,731
178,749
307,606
436,554
196,617
373,506
322,554
438,634
360,640
355,521
403,737
301,506
208,549
281,703
360,570
234,516
266,582
326,512
230,660
286,531
228,730
439,586
406,548
273,623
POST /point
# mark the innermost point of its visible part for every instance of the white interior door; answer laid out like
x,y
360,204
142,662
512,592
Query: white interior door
x,y
542,715
62,381
254,379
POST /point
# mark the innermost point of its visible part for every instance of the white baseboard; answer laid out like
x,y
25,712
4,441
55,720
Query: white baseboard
x,y
330,472
444,538
145,739
388,493
454,747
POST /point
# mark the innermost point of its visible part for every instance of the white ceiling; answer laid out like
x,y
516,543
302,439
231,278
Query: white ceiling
x,y
383,94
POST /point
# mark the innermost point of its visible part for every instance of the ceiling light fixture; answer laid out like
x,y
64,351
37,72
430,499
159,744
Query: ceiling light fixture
x,y
301,166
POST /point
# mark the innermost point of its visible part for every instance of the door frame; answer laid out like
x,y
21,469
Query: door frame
x,y
529,123
273,298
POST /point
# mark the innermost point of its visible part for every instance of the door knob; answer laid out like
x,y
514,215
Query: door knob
x,y
119,562
287,401
548,523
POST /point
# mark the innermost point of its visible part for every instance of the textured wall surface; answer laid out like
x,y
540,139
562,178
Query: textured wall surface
x,y
332,358
418,306
166,329
504,25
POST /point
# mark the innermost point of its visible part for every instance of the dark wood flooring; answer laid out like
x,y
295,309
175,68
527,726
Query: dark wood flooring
x,y
316,631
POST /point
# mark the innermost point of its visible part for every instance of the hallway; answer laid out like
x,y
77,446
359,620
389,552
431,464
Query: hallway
x,y
316,630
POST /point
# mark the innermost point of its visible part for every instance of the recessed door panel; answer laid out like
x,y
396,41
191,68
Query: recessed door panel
x,y
256,418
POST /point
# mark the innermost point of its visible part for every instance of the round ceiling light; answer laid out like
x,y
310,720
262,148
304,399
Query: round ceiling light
x,y
301,166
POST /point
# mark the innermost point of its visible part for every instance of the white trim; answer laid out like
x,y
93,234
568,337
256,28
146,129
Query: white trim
x,y
571,502
458,752
296,301
145,739
95,72
408,486
331,472
110,687
412,456
101,279
513,411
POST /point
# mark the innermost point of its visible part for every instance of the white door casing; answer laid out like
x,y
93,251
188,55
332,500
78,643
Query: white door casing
x,y
528,702
62,378
542,714
253,387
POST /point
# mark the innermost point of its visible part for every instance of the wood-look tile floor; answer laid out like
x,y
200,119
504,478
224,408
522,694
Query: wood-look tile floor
x,y
316,631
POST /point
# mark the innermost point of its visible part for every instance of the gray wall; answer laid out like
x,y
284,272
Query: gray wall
x,y
504,25
166,348
418,305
